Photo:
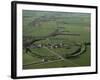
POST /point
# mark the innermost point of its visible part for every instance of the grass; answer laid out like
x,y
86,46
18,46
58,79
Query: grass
x,y
78,23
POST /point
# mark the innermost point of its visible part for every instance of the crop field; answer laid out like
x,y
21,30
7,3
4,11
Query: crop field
x,y
56,39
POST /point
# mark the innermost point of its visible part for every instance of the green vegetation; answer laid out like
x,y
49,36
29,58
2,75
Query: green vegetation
x,y
55,39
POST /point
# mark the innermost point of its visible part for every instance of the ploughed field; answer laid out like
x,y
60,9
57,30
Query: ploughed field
x,y
55,39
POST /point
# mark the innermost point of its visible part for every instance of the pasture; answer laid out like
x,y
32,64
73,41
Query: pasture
x,y
56,39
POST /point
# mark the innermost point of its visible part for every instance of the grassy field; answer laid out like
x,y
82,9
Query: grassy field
x,y
55,39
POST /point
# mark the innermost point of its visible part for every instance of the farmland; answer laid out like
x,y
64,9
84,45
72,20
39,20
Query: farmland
x,y
55,39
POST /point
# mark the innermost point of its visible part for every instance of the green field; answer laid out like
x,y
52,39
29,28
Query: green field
x,y
56,39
